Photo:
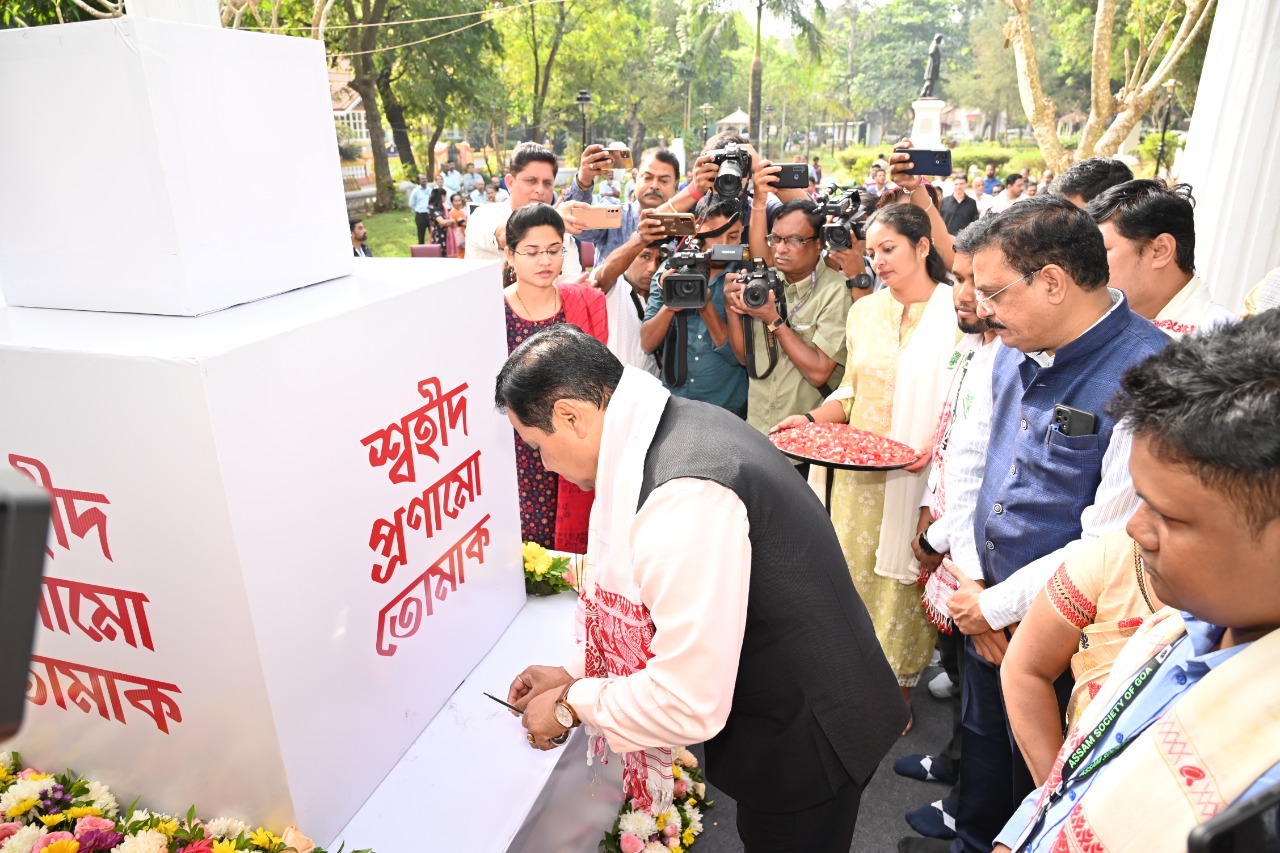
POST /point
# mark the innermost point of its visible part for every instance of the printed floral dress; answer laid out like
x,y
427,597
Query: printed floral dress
x,y
537,485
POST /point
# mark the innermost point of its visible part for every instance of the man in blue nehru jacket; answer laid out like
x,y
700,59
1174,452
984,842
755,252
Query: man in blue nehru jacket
x,y
1057,462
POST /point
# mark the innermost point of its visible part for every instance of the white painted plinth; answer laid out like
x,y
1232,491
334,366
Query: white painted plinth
x,y
214,630
926,131
163,168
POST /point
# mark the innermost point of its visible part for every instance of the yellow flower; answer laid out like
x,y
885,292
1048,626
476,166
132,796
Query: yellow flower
x,y
265,840
224,846
662,822
168,827
4,773
22,807
675,770
688,836
52,819
77,812
36,777
66,845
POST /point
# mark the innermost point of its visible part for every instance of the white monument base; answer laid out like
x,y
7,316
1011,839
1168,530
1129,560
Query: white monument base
x,y
471,781
283,534
926,132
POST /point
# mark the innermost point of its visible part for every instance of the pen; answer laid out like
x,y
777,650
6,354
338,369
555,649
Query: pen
x,y
505,704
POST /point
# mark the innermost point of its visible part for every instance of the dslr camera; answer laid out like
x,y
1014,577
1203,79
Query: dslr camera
x,y
847,211
734,162
758,281
687,285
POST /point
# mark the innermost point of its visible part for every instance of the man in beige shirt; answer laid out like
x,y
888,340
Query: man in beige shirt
x,y
809,341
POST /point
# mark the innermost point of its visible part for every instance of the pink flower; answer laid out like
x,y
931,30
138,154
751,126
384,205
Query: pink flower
x,y
673,842
28,773
88,823
631,843
204,845
670,830
45,840
570,579
681,788
8,829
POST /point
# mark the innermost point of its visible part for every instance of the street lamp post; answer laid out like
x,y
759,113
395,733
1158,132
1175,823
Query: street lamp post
x,y
583,101
706,120
1169,86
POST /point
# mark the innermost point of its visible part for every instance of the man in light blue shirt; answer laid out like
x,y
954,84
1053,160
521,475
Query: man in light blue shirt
x,y
452,178
1202,722
419,202
655,186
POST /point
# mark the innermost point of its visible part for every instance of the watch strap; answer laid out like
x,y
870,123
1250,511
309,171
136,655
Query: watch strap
x,y
777,324
564,701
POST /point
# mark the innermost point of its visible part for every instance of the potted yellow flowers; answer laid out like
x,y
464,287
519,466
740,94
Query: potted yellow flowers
x,y
545,574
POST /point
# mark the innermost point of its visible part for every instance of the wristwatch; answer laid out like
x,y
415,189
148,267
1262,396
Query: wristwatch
x,y
862,281
565,715
777,324
924,543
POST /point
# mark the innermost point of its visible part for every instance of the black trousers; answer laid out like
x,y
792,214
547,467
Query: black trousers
x,y
423,221
824,828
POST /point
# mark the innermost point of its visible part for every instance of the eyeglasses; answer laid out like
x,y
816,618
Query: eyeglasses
x,y
550,253
792,242
988,300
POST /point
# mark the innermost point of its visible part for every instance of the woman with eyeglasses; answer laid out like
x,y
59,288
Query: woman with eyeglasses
x,y
900,341
553,511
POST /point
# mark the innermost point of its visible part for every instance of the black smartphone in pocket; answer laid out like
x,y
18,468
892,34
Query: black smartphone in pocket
x,y
1071,421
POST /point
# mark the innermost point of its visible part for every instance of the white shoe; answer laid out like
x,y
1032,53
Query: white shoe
x,y
941,687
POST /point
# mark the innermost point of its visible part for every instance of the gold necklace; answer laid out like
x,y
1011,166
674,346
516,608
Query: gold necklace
x,y
1142,583
529,313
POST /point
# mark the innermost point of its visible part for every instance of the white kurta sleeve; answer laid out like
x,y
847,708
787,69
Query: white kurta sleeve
x,y
691,556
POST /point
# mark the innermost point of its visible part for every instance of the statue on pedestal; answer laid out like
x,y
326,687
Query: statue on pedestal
x,y
935,65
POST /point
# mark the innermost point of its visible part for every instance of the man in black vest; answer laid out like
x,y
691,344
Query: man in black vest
x,y
716,602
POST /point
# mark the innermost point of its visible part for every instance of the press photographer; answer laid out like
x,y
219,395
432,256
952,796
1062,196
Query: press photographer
x,y
792,343
701,363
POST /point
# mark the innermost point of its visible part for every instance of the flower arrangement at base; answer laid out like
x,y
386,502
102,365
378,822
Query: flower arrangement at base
x,y
672,831
65,813
545,574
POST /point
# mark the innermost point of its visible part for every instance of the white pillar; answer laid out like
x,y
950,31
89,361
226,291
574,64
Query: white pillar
x,y
1233,148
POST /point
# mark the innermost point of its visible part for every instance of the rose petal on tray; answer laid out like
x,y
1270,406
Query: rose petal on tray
x,y
841,444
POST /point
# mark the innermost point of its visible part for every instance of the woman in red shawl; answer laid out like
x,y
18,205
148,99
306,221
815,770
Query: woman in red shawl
x,y
553,511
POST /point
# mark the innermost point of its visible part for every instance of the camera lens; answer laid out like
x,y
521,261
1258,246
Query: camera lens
x,y
729,178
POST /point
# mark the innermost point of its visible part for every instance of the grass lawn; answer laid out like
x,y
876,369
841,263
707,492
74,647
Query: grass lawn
x,y
392,233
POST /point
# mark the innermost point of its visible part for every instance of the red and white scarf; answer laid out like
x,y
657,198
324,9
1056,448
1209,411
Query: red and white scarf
x,y
614,624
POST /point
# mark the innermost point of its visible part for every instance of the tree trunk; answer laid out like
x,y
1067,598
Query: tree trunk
x,y
395,117
757,75
436,131
1040,111
364,85
1102,104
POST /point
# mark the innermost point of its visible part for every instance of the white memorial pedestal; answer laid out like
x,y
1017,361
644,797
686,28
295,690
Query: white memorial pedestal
x,y
230,496
926,132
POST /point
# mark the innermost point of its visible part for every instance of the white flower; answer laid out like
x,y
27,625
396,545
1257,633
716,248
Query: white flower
x,y
23,789
685,758
139,815
700,789
225,827
146,841
638,823
672,816
100,795
694,816
6,761
23,840
656,847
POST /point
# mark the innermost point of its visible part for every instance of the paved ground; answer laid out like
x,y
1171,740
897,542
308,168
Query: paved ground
x,y
888,797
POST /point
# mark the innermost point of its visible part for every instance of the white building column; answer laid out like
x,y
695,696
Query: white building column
x,y
1233,150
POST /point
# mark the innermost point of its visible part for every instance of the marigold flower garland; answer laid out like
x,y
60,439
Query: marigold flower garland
x,y
673,831
66,813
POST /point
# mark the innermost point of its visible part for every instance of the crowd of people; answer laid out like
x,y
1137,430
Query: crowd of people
x,y
1086,534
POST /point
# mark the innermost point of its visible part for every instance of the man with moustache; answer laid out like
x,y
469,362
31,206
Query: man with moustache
x,y
656,185
1057,459
808,342
531,176
944,544
1186,725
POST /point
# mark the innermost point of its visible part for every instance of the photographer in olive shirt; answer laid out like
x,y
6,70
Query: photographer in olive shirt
x,y
809,342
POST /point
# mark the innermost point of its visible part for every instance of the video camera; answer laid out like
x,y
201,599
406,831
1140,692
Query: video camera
x,y
687,285
758,281
849,210
734,162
